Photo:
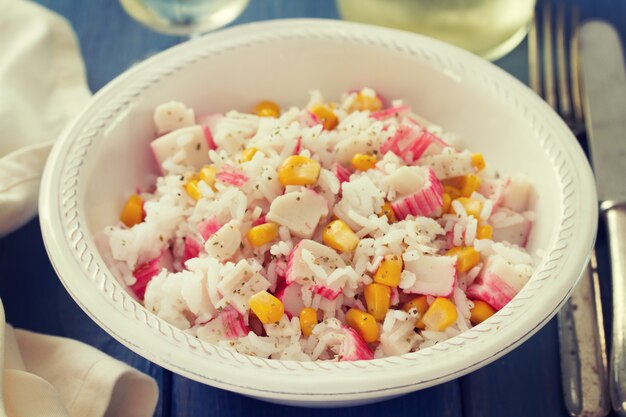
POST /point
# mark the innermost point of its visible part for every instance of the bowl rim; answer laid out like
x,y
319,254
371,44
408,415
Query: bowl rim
x,y
65,232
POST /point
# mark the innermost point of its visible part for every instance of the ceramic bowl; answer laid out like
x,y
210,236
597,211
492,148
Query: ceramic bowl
x,y
103,154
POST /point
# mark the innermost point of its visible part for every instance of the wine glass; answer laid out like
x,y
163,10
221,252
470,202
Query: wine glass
x,y
489,28
184,17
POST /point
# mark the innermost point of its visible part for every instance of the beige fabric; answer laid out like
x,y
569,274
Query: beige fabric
x,y
48,373
42,86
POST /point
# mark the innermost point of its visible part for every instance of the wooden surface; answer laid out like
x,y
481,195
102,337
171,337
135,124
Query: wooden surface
x,y
526,382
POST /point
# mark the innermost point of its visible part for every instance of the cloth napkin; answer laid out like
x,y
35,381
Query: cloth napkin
x,y
58,377
42,86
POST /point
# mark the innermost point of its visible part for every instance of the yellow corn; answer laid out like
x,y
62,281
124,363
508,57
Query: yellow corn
x,y
299,170
247,154
193,189
472,207
388,212
419,303
308,320
470,183
466,257
441,314
388,273
446,203
338,235
266,307
267,109
262,234
208,174
484,232
481,312
456,182
132,213
364,102
378,299
363,162
326,116
452,191
462,186
478,161
364,324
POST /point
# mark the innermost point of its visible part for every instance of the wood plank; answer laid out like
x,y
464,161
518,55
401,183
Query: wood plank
x,y
526,382
193,399
110,40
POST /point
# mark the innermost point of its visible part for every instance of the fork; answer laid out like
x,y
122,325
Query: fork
x,y
584,373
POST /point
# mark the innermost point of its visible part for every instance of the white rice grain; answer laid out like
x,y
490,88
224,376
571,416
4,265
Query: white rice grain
x,y
458,208
486,210
470,231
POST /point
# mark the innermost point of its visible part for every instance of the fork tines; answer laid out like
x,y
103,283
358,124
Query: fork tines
x,y
553,59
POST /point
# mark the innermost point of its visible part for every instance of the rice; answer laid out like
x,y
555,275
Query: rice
x,y
233,253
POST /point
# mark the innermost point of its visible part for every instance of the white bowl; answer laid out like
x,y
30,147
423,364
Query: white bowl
x,y
103,154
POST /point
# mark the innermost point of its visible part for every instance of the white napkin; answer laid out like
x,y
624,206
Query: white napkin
x,y
42,86
72,379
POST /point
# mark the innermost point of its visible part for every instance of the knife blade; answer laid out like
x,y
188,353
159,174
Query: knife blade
x,y
604,90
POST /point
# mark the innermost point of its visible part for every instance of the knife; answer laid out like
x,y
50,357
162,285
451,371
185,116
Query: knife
x,y
604,89
583,349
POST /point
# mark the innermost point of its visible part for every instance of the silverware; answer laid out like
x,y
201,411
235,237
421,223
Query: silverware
x,y
581,331
604,85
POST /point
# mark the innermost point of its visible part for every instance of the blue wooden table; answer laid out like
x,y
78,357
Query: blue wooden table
x,y
526,382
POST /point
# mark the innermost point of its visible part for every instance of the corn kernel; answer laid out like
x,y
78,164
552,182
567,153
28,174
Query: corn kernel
x,y
262,234
247,154
472,207
338,235
364,324
452,191
378,299
266,307
481,312
326,116
420,303
365,102
478,162
466,257
299,170
470,183
446,203
193,189
388,273
456,182
308,320
267,109
132,213
363,162
484,232
208,174
441,314
388,212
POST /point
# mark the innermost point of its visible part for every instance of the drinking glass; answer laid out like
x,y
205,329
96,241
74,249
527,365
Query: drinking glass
x,y
184,17
489,28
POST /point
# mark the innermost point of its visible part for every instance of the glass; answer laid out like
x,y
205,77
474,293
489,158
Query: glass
x,y
184,17
489,28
